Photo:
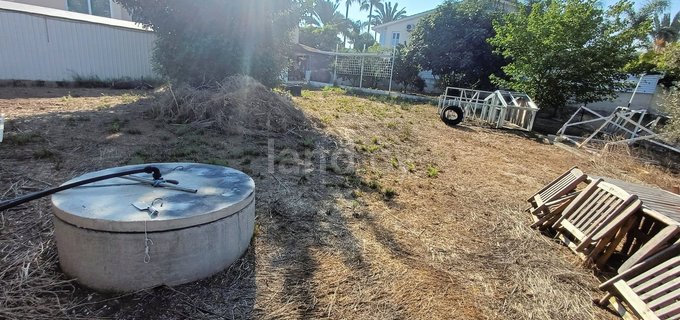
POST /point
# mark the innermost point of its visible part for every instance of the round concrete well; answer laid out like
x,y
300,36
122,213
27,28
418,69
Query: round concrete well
x,y
122,235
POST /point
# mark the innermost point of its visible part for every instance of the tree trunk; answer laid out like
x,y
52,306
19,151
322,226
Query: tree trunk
x,y
344,35
370,16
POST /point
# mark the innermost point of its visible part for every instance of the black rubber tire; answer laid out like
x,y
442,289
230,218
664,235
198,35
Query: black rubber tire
x,y
449,121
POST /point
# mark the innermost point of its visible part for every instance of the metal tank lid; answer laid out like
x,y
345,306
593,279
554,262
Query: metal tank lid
x,y
120,205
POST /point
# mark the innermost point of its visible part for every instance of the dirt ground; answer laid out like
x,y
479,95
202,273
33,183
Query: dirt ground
x,y
377,211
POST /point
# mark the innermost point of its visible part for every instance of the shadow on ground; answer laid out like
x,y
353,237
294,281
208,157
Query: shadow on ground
x,y
298,218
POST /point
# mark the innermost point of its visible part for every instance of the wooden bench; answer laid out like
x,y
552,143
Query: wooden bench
x,y
597,220
547,204
650,288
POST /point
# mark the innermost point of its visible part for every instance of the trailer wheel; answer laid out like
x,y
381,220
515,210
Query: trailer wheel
x,y
452,115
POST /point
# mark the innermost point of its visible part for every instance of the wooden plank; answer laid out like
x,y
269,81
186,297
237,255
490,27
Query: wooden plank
x,y
553,182
573,230
672,285
641,281
604,257
656,244
583,196
632,206
670,310
663,295
621,310
638,306
647,263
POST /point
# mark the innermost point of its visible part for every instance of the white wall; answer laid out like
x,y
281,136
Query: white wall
x,y
117,11
39,44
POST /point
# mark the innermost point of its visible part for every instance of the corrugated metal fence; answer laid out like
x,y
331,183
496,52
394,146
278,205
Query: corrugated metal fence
x,y
39,43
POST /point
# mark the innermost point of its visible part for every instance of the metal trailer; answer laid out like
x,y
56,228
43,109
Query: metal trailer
x,y
500,108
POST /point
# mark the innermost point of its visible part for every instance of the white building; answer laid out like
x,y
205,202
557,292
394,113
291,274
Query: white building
x,y
399,31
102,8
44,44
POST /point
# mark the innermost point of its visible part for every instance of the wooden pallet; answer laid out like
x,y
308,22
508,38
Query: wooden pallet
x,y
547,204
597,220
650,288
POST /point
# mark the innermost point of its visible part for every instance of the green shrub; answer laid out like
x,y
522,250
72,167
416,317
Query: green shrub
x,y
201,42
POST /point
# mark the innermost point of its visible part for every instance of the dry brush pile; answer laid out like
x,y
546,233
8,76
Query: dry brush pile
x,y
239,104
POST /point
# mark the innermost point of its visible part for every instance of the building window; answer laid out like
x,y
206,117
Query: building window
x,y
395,38
100,8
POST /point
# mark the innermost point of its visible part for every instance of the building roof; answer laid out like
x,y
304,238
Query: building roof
x,y
68,15
404,19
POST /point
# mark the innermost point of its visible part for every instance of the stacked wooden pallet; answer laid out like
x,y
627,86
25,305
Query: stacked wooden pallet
x,y
593,217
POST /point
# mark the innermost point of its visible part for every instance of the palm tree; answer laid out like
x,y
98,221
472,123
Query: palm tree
x,y
325,13
388,13
348,3
646,12
369,4
665,30
354,30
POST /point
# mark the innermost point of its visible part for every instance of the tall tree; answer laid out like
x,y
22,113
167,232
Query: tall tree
x,y
665,30
231,37
651,8
388,13
369,5
348,3
567,49
325,13
452,43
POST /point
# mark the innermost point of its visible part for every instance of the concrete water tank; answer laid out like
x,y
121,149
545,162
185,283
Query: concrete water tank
x,y
122,235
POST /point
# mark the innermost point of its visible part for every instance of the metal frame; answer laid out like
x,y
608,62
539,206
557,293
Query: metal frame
x,y
499,108
616,123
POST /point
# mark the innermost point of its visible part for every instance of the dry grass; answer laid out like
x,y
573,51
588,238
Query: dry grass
x,y
388,239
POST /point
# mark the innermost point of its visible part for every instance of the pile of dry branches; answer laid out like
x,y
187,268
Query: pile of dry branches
x,y
237,104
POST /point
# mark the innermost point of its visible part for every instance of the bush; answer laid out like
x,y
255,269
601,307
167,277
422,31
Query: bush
x,y
671,105
200,42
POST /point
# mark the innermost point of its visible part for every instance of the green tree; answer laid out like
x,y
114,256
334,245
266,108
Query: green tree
x,y
670,63
452,43
350,24
325,13
386,12
323,25
406,71
566,49
199,42
369,5
323,38
665,30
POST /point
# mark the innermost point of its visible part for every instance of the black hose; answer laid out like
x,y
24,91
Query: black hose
x,y
37,195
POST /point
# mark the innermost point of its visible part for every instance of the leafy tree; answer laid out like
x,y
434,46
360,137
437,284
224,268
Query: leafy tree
x,y
566,49
324,38
203,41
388,13
323,25
364,40
406,71
670,63
452,43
